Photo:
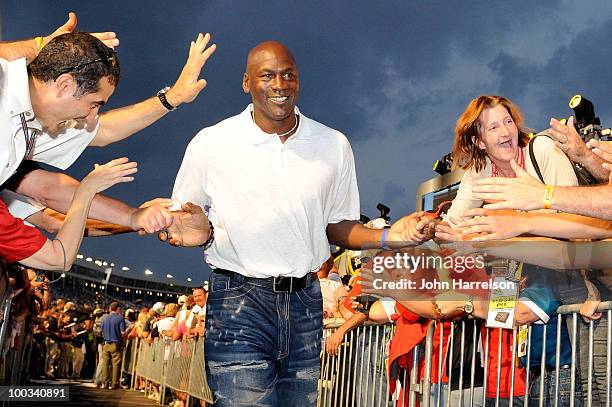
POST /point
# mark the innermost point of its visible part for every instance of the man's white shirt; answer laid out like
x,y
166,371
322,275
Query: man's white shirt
x,y
59,151
270,202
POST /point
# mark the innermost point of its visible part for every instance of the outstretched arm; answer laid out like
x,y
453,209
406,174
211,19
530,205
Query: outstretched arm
x,y
408,231
29,48
55,190
527,193
121,123
332,344
504,224
51,221
58,254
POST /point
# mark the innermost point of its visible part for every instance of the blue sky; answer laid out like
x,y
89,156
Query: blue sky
x,y
392,75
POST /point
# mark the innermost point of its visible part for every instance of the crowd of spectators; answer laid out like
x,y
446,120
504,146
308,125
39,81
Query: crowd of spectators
x,y
492,144
72,337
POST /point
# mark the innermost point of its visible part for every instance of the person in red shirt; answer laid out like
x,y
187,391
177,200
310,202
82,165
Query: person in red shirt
x,y
27,245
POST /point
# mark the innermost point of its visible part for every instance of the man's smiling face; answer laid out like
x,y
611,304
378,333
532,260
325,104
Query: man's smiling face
x,y
272,80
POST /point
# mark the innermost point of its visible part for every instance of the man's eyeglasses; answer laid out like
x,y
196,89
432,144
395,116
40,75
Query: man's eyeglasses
x,y
110,60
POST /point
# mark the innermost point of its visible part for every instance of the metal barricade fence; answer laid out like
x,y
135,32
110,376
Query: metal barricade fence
x,y
475,366
478,366
585,380
357,375
175,365
178,365
198,385
128,359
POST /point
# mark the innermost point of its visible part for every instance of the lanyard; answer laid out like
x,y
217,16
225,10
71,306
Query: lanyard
x,y
30,137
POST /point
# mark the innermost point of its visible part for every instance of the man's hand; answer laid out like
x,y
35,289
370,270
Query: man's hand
x,y
446,233
109,38
409,230
188,86
493,225
601,148
106,175
568,140
190,227
523,192
151,218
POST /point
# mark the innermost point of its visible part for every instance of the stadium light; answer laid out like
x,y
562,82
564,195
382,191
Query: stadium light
x,y
88,259
148,272
79,256
189,279
169,276
124,268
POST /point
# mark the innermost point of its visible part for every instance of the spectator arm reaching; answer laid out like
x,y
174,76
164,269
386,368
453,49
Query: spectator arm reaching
x,y
118,124
410,230
504,224
526,192
29,48
58,254
335,340
55,190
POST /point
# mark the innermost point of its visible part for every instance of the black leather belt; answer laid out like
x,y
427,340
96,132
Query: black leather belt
x,y
277,284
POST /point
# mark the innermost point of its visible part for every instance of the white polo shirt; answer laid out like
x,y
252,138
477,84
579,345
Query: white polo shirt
x,y
269,202
59,151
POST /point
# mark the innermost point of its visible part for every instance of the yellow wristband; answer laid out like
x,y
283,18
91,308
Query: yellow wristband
x,y
39,43
548,196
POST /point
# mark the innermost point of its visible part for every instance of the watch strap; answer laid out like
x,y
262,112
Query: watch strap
x,y
161,95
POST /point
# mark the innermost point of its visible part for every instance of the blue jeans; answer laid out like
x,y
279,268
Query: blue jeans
x,y
262,347
565,390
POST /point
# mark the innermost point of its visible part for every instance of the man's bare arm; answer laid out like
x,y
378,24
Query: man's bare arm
x,y
51,221
353,235
58,254
55,190
118,124
488,224
589,201
527,193
409,230
29,48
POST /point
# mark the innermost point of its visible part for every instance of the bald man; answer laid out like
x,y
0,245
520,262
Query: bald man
x,y
280,188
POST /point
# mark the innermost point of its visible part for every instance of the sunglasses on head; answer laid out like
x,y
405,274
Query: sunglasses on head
x,y
110,60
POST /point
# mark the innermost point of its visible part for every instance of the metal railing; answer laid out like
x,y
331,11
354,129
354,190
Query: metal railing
x,y
175,365
357,375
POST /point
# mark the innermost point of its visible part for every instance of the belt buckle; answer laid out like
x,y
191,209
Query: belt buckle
x,y
275,283
278,285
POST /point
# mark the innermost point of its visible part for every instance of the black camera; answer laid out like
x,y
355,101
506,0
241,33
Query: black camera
x,y
586,122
